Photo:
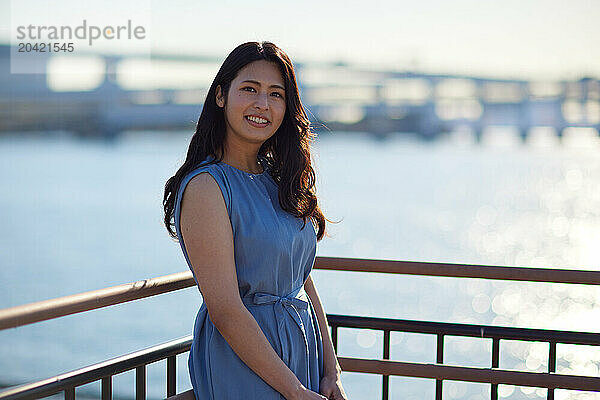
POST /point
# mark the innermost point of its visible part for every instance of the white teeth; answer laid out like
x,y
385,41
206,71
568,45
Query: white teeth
x,y
257,120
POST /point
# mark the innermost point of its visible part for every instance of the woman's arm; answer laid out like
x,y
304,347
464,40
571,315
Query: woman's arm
x,y
208,238
331,366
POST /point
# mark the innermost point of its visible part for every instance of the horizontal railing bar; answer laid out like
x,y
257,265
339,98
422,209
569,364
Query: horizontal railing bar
x,y
469,330
471,374
549,275
59,307
78,377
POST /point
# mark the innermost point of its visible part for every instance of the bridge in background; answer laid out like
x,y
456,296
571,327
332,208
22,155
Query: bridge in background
x,y
338,97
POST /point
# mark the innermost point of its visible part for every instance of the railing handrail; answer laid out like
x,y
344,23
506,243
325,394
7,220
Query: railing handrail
x,y
54,308
549,275
76,303
465,330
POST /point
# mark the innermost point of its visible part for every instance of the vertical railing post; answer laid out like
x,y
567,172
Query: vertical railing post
x,y
440,360
495,364
385,390
140,382
171,375
70,393
551,366
107,388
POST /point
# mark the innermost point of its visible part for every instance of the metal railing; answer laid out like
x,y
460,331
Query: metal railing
x,y
49,309
104,371
468,374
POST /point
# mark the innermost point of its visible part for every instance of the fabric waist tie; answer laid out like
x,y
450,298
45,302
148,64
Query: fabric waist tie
x,y
289,304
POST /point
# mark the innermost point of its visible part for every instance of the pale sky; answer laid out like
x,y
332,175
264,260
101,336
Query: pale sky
x,y
544,39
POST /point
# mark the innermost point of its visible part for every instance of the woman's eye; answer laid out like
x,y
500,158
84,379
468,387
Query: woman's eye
x,y
276,94
248,88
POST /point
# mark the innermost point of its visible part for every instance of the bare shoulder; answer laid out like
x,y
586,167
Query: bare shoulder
x,y
202,185
202,205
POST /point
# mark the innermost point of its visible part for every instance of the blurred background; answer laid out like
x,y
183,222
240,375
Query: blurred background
x,y
461,132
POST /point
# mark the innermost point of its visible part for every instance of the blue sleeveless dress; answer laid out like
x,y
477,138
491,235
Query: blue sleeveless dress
x,y
273,258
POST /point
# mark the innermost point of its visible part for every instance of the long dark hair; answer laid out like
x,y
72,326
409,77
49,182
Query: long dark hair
x,y
287,152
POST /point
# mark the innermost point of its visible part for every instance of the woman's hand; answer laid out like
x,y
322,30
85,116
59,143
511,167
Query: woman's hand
x,y
331,387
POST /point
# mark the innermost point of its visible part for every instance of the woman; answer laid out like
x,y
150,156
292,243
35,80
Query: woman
x,y
245,213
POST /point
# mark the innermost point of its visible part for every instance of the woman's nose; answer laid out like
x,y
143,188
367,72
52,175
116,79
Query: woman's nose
x,y
261,101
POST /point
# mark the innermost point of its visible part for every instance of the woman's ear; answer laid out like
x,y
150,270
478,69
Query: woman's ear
x,y
219,96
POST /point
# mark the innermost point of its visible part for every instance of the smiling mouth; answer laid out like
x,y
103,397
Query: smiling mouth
x,y
257,121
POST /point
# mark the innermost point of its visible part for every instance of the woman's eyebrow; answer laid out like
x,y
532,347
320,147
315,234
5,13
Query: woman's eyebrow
x,y
258,83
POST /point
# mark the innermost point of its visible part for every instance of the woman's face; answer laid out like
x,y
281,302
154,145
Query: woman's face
x,y
255,104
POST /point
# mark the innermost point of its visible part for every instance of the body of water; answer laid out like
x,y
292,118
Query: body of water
x,y
83,215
